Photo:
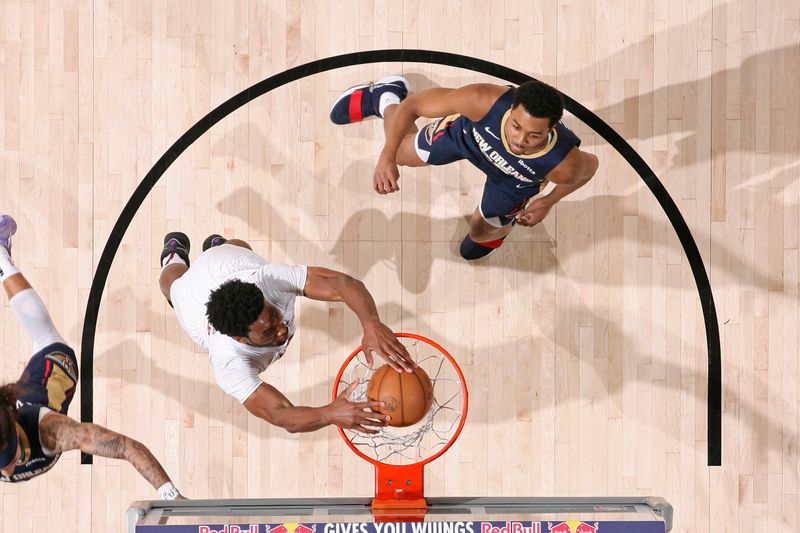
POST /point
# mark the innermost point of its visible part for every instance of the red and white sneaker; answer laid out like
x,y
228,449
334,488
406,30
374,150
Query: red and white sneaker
x,y
362,101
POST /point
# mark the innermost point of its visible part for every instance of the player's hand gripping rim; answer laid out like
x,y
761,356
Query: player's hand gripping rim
x,y
379,339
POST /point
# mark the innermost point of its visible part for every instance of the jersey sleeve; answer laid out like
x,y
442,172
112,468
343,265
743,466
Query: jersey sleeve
x,y
567,136
236,376
289,279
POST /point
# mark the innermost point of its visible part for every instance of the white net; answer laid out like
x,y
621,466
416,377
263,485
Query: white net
x,y
411,444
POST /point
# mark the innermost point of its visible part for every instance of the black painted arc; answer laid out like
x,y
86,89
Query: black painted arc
x,y
714,404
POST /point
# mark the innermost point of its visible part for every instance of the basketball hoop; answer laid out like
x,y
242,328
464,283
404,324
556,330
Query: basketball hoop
x,y
399,454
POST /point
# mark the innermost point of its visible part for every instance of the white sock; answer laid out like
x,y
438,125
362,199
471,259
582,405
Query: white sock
x,y
388,98
171,259
34,318
7,266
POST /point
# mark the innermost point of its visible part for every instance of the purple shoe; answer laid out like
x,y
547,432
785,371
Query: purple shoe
x,y
176,243
361,101
8,227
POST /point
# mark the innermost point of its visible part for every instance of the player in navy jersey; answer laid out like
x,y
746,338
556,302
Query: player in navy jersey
x,y
34,428
514,135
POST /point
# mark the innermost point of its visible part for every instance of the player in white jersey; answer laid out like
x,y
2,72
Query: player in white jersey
x,y
240,307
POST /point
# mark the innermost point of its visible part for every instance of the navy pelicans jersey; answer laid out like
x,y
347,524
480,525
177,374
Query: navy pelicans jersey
x,y
47,384
483,143
35,459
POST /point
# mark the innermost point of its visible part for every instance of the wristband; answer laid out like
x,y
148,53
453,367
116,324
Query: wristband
x,y
167,491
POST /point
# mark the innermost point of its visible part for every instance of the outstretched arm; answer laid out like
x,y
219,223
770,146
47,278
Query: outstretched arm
x,y
61,433
332,286
472,101
268,403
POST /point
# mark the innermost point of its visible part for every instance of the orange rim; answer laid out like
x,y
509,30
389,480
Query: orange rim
x,y
464,392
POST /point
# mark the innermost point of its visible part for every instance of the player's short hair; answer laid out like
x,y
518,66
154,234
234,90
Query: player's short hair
x,y
8,415
540,100
233,306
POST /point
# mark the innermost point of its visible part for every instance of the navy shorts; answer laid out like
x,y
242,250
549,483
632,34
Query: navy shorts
x,y
440,143
50,378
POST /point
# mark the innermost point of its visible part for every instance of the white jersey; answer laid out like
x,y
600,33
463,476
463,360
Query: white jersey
x,y
236,366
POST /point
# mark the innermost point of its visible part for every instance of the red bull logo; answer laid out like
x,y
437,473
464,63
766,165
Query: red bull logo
x,y
573,526
292,528
229,528
511,527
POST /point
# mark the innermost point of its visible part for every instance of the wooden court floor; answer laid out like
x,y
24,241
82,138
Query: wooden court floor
x,y
582,339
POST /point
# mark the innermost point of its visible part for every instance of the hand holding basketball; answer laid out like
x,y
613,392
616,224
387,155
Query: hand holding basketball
x,y
356,415
379,339
407,397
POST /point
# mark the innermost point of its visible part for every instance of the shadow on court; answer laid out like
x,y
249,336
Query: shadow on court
x,y
644,367
369,237
402,241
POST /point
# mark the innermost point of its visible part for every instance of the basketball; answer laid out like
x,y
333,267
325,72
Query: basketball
x,y
407,395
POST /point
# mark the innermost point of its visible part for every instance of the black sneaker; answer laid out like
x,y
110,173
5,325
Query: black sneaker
x,y
471,250
176,243
213,240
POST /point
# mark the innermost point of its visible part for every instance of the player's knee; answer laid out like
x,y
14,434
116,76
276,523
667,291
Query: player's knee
x,y
592,164
407,154
483,228
165,282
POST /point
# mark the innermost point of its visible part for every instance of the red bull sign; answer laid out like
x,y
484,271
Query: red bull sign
x,y
573,527
511,527
229,528
291,527
521,526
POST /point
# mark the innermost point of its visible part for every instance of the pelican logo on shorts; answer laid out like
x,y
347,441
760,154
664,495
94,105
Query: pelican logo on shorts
x,y
429,132
573,526
435,129
65,362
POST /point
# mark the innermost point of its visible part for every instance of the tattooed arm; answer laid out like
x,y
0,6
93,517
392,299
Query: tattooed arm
x,y
61,433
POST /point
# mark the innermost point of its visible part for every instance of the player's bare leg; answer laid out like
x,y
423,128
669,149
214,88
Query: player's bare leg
x,y
27,305
406,152
482,231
